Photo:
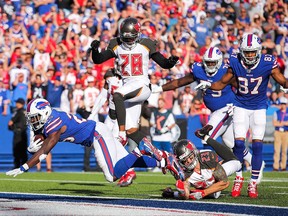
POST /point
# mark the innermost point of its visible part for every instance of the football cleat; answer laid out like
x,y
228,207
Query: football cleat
x,y
148,147
238,184
252,189
173,166
127,178
201,133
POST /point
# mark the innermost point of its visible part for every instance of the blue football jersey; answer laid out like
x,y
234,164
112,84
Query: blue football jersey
x,y
79,131
213,99
252,82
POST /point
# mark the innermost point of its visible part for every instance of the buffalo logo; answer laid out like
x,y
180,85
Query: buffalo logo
x,y
42,105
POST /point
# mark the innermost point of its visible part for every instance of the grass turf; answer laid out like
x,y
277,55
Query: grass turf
x,y
273,191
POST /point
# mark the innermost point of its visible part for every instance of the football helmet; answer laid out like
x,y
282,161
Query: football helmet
x,y
250,49
186,153
130,32
212,60
37,112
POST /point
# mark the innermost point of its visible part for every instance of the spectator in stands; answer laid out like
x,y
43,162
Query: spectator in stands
x,y
162,121
198,108
19,90
185,99
280,121
4,99
54,92
20,141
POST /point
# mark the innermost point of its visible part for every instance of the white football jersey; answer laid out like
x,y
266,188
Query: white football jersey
x,y
90,95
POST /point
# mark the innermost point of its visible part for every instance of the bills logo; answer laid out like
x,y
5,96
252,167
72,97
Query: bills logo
x,y
42,105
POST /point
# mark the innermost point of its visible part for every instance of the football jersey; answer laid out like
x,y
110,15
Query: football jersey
x,y
252,82
134,63
78,131
208,162
213,99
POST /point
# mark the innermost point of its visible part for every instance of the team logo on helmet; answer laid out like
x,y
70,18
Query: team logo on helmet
x,y
41,105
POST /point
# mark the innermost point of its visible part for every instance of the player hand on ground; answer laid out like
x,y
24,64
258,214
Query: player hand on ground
x,y
203,85
35,145
285,90
197,194
157,89
14,172
230,109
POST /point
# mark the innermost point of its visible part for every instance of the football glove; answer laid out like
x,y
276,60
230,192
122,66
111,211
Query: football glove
x,y
285,90
157,89
173,60
203,85
35,146
197,194
18,171
168,193
230,109
95,45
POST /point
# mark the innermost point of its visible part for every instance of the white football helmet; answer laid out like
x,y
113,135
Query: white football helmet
x,y
212,60
250,43
37,112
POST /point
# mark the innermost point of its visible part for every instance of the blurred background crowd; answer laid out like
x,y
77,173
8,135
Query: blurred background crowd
x,y
44,43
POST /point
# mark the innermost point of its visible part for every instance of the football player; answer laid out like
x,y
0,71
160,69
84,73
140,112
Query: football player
x,y
112,82
133,54
251,71
203,172
112,157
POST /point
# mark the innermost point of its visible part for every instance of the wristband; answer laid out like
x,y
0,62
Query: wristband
x,y
24,167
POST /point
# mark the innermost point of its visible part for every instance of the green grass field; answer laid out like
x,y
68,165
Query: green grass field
x,y
273,190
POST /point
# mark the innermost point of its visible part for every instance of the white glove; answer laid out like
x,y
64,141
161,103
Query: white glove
x,y
35,146
157,89
164,130
203,85
285,90
18,171
230,109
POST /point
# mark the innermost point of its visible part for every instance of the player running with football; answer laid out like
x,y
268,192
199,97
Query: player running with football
x,y
251,71
133,54
112,157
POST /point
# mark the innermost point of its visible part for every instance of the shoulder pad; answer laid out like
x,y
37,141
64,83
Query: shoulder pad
x,y
150,44
114,42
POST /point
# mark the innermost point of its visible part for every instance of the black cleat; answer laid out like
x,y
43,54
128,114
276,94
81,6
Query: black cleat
x,y
201,133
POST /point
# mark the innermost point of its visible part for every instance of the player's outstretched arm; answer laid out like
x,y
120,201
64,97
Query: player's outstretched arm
x,y
163,62
99,57
226,79
279,77
174,84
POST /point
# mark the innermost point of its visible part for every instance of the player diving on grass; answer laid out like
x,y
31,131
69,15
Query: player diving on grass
x,y
112,157
205,175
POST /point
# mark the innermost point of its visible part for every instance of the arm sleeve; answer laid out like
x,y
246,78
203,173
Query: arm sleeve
x,y
161,60
99,58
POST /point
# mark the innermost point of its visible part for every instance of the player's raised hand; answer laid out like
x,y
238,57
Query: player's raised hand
x,y
203,85
173,60
95,45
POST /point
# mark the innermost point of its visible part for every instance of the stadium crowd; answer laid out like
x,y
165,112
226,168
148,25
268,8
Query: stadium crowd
x,y
43,45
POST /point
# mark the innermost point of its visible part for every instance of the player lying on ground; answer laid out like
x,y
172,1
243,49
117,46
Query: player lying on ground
x,y
114,160
204,174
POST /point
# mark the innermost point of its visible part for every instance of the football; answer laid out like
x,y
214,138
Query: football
x,y
39,136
